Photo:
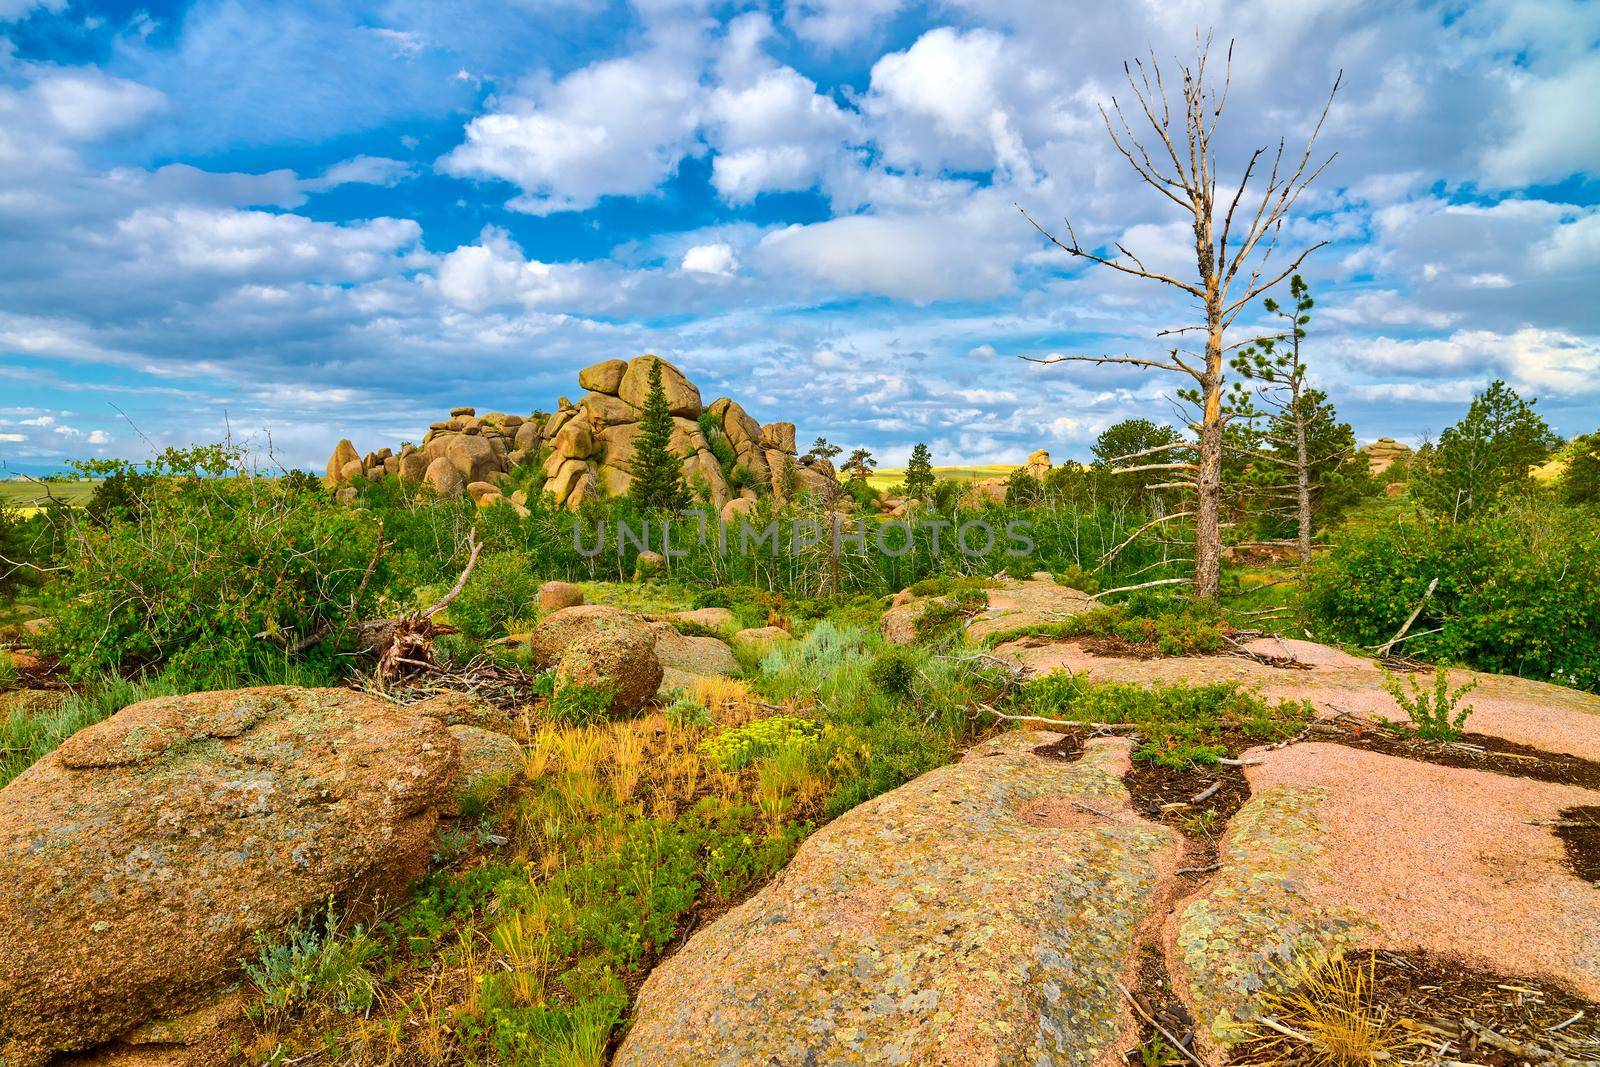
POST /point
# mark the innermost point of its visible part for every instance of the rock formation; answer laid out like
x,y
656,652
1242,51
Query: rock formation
x,y
586,449
1383,452
980,914
144,854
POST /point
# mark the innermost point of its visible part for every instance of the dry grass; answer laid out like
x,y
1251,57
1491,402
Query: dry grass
x,y
1326,1015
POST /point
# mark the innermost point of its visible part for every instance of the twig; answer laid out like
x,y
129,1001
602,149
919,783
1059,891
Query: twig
x,y
1400,633
461,583
1141,585
1162,1030
1206,794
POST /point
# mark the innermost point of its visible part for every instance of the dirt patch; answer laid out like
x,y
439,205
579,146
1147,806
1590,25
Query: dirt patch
x,y
1579,831
1477,752
37,671
1451,1011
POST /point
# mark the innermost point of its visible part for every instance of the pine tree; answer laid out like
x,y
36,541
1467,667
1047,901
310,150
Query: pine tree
x,y
824,449
657,471
919,473
860,465
1484,456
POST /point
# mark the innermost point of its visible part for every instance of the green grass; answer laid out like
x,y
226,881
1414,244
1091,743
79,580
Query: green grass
x,y
1179,726
28,496
886,479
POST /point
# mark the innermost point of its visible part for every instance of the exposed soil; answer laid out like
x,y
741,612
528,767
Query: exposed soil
x,y
37,671
1451,1011
1478,752
1579,831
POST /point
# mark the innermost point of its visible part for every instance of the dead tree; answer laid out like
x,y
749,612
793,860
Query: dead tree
x,y
1234,266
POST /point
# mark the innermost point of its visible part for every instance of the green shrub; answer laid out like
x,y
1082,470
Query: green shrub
x,y
1179,725
735,749
1518,593
216,578
894,673
502,587
313,961
1433,714
581,705
687,712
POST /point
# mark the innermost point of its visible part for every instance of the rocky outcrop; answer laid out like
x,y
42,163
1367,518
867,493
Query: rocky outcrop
x,y
144,854
1382,454
587,449
1010,605
982,913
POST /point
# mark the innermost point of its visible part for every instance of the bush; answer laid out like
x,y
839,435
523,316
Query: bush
x,y
735,749
1518,593
216,578
314,962
502,587
1180,726
1433,714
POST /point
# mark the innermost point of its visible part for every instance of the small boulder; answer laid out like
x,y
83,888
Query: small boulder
x,y
622,661
710,618
479,490
648,565
778,435
553,596
605,376
761,635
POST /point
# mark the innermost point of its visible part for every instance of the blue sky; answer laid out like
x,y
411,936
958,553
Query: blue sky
x,y
301,221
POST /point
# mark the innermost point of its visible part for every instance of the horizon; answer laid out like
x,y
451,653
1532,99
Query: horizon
x,y
313,223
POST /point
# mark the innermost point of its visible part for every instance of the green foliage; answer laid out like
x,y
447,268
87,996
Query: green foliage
x,y
735,749
17,552
1580,482
1180,725
945,584
580,705
824,449
1075,577
218,577
1129,438
314,961
657,471
919,473
1518,593
943,619
859,465
864,495
686,712
1485,456
1433,714
946,494
894,672
502,587
1023,490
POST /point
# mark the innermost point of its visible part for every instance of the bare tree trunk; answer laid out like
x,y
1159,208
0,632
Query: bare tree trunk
x,y
1208,476
1302,471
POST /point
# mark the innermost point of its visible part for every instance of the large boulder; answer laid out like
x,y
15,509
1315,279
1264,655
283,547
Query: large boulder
x,y
1038,465
343,453
622,661
604,377
778,435
142,856
682,396
984,913
473,457
558,630
444,479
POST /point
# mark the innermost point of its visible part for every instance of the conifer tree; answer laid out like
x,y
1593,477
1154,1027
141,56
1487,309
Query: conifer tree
x,y
657,471
919,473
860,465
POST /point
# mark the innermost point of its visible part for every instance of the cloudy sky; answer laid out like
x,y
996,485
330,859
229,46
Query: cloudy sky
x,y
313,220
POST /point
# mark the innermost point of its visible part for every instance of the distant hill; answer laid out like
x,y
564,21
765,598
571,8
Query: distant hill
x,y
884,480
